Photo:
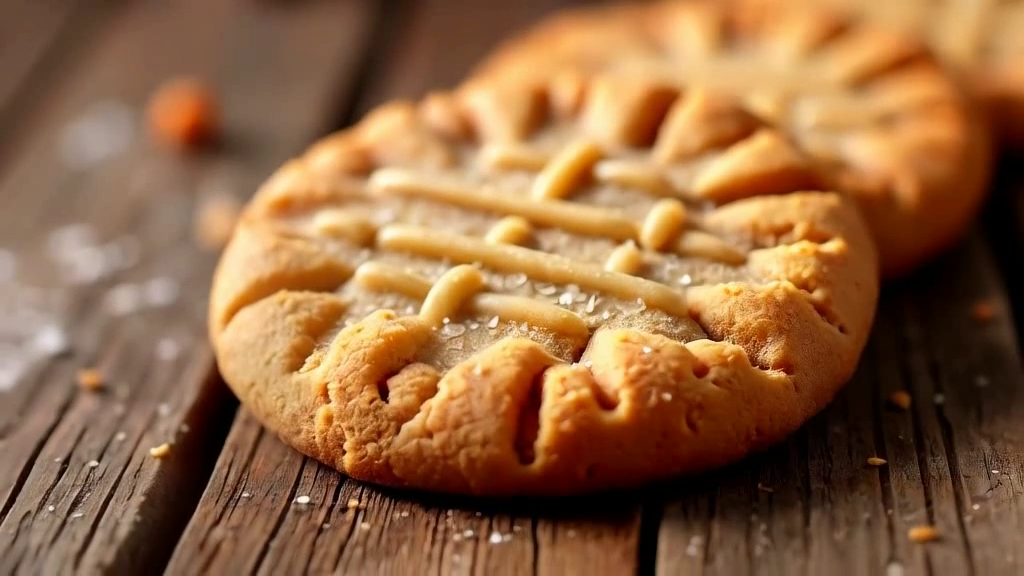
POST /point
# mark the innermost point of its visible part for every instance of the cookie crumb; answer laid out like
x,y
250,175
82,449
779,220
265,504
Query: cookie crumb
x,y
876,461
92,463
983,311
302,500
923,533
91,379
765,488
246,494
900,399
215,219
364,525
183,113
77,515
353,504
495,538
160,451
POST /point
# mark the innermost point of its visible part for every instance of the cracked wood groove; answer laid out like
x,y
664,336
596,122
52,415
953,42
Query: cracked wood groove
x,y
809,506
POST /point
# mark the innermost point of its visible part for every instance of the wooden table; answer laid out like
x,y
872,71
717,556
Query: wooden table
x,y
79,491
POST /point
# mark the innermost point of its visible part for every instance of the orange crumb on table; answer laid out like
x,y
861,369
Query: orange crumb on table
x,y
983,311
184,113
91,379
923,533
876,461
900,399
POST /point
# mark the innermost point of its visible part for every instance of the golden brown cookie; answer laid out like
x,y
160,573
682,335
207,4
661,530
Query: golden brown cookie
x,y
879,115
529,291
983,39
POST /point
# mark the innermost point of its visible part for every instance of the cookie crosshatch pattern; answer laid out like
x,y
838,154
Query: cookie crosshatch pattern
x,y
981,39
543,290
880,117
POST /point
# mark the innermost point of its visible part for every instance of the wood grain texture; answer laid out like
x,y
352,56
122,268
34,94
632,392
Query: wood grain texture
x,y
80,490
394,534
954,458
34,38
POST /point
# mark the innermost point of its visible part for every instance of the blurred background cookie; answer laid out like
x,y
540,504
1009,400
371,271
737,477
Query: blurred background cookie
x,y
879,115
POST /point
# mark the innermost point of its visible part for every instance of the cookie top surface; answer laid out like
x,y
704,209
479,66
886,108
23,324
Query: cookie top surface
x,y
872,107
982,40
544,289
982,34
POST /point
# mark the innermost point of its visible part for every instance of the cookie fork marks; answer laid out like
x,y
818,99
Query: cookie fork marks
x,y
576,218
381,277
446,297
565,170
535,264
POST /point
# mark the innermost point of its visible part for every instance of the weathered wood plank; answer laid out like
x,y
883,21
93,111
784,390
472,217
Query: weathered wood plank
x,y
814,506
267,532
32,33
80,490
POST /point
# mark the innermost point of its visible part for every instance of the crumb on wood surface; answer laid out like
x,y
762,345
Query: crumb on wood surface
x,y
923,533
160,451
184,113
983,311
900,399
91,379
876,461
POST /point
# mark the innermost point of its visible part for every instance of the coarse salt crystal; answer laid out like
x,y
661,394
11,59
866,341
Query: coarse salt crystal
x,y
161,291
49,341
302,500
452,330
123,299
167,349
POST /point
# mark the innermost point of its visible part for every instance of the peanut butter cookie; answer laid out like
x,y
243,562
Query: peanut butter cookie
x,y
875,111
543,290
982,39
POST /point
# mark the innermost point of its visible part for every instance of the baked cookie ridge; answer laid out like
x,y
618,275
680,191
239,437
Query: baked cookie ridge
x,y
543,289
884,120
